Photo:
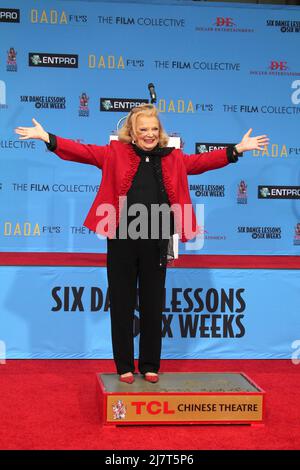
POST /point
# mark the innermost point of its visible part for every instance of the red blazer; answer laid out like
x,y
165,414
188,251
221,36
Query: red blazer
x,y
119,163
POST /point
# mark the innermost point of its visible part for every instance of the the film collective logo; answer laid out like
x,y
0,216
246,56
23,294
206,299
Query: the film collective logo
x,y
11,60
45,102
223,24
84,105
278,192
143,21
285,26
9,15
120,104
276,67
40,59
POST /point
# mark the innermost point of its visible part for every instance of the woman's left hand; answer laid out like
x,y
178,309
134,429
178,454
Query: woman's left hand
x,y
252,143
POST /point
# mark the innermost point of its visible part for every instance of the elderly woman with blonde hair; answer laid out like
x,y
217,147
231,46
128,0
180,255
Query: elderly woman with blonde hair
x,y
140,173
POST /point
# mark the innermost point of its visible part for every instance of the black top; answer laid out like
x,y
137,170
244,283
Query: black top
x,y
148,189
144,188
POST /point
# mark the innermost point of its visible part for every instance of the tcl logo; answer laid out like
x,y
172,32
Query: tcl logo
x,y
275,65
152,407
224,21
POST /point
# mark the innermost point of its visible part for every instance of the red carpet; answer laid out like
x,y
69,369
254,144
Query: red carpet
x,y
184,261
52,404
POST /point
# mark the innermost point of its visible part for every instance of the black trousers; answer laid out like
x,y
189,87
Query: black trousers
x,y
133,264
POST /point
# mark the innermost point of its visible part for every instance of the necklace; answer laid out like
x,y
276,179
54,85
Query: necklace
x,y
147,159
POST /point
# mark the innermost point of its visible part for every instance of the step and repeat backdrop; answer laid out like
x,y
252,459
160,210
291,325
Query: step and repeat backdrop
x,y
218,70
212,314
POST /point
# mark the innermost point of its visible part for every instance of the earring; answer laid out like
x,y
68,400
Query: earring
x,y
133,141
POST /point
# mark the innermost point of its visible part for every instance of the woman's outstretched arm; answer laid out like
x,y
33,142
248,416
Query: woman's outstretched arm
x,y
66,149
199,163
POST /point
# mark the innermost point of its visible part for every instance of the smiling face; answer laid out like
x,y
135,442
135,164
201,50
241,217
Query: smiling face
x,y
146,132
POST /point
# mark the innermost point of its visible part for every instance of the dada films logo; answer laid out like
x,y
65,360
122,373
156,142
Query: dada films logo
x,y
223,24
114,62
120,104
242,197
181,106
278,192
29,229
55,17
277,151
11,60
84,105
40,59
9,15
21,229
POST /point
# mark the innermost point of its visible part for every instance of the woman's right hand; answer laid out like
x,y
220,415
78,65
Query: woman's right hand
x,y
35,132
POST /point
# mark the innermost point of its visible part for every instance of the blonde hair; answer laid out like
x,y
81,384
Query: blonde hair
x,y
128,130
